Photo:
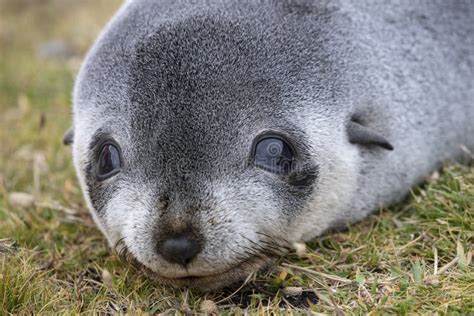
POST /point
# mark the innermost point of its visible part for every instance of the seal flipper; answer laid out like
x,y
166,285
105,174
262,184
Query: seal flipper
x,y
68,137
359,134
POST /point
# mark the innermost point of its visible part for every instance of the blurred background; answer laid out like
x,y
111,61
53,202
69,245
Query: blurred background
x,y
42,43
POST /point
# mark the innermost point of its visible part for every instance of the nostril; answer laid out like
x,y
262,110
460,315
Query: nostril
x,y
179,249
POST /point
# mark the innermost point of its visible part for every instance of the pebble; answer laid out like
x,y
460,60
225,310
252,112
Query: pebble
x,y
21,199
208,307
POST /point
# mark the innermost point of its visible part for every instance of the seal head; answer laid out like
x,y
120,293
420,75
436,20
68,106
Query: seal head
x,y
187,138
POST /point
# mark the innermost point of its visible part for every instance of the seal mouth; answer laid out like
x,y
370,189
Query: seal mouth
x,y
247,265
212,281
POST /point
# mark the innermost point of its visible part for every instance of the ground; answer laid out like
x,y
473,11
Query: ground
x,y
412,258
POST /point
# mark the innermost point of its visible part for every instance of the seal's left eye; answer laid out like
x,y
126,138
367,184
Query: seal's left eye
x,y
109,161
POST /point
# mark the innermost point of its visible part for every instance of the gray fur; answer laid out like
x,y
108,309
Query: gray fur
x,y
186,86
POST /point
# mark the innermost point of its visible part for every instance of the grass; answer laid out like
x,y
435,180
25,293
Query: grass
x,y
411,258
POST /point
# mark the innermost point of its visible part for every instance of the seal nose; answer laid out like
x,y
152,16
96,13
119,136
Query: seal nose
x,y
179,249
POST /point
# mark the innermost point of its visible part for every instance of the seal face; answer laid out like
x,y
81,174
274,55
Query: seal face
x,y
210,137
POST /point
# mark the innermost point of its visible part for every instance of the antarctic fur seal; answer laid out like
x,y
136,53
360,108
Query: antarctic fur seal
x,y
209,135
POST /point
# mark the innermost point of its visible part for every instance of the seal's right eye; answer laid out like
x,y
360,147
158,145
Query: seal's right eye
x,y
109,162
274,154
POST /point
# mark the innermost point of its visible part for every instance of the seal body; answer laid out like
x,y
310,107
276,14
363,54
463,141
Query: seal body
x,y
176,98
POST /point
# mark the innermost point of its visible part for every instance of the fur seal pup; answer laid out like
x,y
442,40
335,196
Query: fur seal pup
x,y
209,135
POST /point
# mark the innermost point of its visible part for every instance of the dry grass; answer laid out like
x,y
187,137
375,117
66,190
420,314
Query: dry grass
x,y
414,258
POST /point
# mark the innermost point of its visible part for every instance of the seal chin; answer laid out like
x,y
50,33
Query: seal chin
x,y
215,280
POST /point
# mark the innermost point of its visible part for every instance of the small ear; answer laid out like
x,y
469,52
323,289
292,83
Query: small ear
x,y
359,134
68,137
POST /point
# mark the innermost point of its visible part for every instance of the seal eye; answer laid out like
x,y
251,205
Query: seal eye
x,y
109,161
273,154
